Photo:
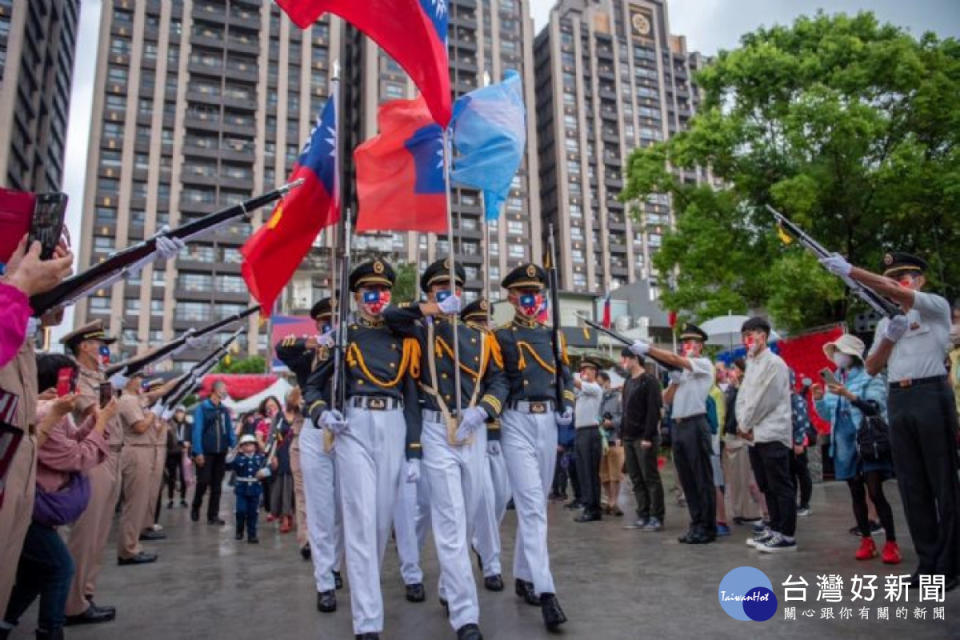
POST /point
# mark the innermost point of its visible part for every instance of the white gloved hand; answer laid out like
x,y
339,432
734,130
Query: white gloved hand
x,y
167,414
565,419
413,470
896,327
836,264
327,338
640,347
471,420
451,305
197,342
676,377
333,421
264,473
119,381
168,247
157,409
493,448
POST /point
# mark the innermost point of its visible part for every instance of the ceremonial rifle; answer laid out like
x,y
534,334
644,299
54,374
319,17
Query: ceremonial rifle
x,y
553,281
134,365
122,262
621,339
873,299
197,371
338,391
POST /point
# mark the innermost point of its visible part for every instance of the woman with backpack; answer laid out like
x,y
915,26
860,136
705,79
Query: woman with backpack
x,y
856,406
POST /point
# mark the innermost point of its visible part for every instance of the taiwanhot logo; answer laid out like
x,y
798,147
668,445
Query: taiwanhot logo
x,y
746,593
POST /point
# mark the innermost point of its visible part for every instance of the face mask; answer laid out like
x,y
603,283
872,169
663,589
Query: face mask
x,y
376,301
326,327
104,352
842,360
689,349
530,304
443,295
752,345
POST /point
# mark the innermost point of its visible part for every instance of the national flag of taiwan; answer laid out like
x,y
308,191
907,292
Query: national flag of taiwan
x,y
412,32
273,253
400,183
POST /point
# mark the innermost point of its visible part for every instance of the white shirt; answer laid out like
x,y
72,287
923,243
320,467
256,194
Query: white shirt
x,y
763,402
690,398
921,352
587,408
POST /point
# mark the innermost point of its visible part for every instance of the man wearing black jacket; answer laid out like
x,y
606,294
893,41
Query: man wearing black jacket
x,y
642,403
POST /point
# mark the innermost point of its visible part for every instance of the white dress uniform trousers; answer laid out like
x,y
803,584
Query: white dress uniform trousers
x,y
369,460
411,520
529,442
490,510
322,497
455,476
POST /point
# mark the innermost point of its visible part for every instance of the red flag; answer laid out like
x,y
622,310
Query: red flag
x,y
273,253
606,312
400,183
672,319
412,32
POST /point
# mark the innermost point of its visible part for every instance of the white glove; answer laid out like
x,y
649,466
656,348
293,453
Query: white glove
x,y
493,448
565,419
197,342
264,473
471,420
327,338
119,381
640,347
333,421
895,328
413,470
167,414
836,264
168,247
157,409
676,377
451,305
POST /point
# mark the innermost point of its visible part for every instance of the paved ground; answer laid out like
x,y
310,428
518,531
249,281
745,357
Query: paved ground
x,y
612,582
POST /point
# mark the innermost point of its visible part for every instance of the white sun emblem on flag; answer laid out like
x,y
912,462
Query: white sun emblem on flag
x,y
331,139
439,7
440,158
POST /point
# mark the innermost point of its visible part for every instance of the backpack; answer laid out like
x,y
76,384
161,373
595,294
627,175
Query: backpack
x,y
873,436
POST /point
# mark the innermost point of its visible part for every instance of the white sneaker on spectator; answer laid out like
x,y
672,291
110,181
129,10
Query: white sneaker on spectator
x,y
757,539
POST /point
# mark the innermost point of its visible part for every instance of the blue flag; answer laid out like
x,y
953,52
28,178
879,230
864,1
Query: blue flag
x,y
489,134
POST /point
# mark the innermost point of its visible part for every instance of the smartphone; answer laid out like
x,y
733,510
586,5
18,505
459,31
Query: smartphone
x,y
828,376
106,392
47,223
66,381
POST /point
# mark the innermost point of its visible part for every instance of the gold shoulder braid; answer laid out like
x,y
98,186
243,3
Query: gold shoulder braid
x,y
409,361
522,362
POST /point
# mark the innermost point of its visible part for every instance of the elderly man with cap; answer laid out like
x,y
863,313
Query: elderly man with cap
x,y
496,485
589,443
381,428
454,440
317,463
136,471
691,378
529,432
88,535
213,436
922,410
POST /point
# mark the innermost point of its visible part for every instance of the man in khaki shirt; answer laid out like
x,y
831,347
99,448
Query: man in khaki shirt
x,y
152,530
136,466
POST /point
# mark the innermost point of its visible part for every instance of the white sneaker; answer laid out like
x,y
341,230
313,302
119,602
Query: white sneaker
x,y
756,539
157,527
803,512
777,543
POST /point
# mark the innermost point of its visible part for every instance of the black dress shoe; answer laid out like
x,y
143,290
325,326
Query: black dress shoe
x,y
195,514
553,615
699,538
91,616
140,558
469,632
416,592
326,601
526,591
493,583
149,535
107,608
337,580
253,540
183,503
685,538
367,636
588,517
305,552
170,504
238,535
573,504
216,521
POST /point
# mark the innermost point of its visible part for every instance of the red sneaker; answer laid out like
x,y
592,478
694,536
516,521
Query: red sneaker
x,y
271,517
286,524
891,553
867,550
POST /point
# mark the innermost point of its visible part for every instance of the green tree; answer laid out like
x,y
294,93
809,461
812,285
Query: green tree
x,y
250,364
849,128
407,287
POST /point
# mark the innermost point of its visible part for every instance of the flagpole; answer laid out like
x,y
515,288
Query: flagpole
x,y
486,248
453,263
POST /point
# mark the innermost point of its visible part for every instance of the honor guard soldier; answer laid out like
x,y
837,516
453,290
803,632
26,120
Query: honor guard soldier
x,y
529,432
690,382
496,485
380,428
454,442
921,406
321,492
88,535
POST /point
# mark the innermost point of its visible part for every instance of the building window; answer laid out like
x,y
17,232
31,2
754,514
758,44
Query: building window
x,y
193,311
156,308
393,90
516,251
131,306
231,284
99,305
515,227
195,282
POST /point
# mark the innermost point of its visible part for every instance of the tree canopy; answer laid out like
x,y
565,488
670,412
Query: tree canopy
x,y
849,128
250,364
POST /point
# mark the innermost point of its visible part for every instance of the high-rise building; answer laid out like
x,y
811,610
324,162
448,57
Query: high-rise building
x,y
37,42
485,39
198,104
609,78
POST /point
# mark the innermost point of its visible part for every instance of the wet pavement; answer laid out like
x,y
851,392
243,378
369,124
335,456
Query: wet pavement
x,y
613,583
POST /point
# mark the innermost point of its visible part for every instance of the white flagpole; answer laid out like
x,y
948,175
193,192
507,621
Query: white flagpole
x,y
447,161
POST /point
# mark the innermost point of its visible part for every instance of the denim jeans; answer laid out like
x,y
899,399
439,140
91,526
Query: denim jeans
x,y
45,570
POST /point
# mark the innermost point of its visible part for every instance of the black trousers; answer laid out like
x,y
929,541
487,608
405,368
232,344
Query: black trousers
x,y
923,428
691,454
174,470
645,477
771,468
801,476
589,447
210,475
45,569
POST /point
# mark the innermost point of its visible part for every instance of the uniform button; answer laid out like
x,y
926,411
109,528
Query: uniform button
x,y
446,397
525,382
476,358
473,341
393,345
393,365
361,381
443,375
